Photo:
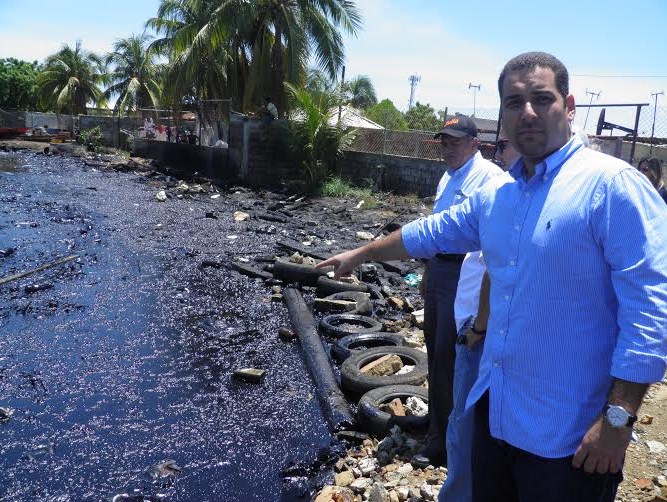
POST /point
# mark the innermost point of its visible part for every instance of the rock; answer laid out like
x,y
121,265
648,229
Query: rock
x,y
405,469
378,493
5,414
416,406
335,494
385,365
252,375
403,493
393,496
646,420
286,334
660,481
324,305
344,478
656,447
643,483
427,492
396,407
211,214
417,318
407,368
161,196
359,485
164,469
241,216
367,465
277,297
396,302
364,236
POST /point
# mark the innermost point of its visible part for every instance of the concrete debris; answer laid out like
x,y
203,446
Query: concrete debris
x,y
161,196
252,375
386,365
241,216
364,236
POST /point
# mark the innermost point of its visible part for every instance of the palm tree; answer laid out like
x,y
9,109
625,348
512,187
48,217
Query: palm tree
x,y
134,78
247,49
70,80
196,49
301,28
314,140
360,92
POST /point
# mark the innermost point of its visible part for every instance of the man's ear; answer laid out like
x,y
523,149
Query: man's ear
x,y
570,107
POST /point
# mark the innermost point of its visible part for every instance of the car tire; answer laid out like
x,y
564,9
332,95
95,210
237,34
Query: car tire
x,y
337,325
357,383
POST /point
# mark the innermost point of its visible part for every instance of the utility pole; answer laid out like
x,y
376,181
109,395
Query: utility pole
x,y
342,86
414,80
475,88
597,96
655,108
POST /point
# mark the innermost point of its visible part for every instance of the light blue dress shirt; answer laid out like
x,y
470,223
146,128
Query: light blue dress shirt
x,y
577,257
456,185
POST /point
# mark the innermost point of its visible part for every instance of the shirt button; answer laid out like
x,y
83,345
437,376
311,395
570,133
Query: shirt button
x,y
526,195
512,263
517,227
507,298
502,331
496,364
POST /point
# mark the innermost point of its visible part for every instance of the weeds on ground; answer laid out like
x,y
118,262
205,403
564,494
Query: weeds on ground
x,y
337,187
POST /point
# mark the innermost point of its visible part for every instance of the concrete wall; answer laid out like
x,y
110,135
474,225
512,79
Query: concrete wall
x,y
213,163
401,175
12,118
106,125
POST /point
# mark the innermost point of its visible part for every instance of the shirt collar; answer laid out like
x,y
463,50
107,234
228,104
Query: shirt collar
x,y
465,168
552,162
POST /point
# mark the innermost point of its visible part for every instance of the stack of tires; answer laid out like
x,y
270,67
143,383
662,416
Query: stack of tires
x,y
358,339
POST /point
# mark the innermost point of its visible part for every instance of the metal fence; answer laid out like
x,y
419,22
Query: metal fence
x,y
410,134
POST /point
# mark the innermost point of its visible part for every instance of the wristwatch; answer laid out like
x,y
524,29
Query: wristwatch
x,y
471,325
617,416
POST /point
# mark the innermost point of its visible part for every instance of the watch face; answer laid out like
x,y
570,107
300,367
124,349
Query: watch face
x,y
617,416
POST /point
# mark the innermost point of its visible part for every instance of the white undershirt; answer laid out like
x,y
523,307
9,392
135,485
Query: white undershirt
x,y
467,291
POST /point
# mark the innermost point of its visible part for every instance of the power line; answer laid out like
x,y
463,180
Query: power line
x,y
616,76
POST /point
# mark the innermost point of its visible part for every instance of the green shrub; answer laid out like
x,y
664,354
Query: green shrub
x,y
92,138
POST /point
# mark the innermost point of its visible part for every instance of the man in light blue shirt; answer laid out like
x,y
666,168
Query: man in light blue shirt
x,y
466,171
576,249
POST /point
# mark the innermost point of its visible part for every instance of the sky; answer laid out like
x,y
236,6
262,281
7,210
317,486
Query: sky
x,y
613,47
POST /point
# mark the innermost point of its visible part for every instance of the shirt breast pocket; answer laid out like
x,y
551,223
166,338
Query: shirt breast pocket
x,y
460,196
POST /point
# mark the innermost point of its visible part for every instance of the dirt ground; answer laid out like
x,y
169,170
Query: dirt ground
x,y
645,473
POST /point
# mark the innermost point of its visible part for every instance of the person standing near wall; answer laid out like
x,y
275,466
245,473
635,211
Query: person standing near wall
x,y
466,170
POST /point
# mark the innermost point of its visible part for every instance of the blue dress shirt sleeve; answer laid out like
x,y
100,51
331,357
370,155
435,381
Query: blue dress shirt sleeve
x,y
629,220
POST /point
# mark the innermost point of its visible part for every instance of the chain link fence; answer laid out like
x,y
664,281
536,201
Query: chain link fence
x,y
410,134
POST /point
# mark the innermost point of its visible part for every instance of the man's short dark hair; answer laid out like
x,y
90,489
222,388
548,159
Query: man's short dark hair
x,y
654,164
528,61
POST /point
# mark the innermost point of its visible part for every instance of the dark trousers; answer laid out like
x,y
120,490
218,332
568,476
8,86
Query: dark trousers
x,y
442,279
504,473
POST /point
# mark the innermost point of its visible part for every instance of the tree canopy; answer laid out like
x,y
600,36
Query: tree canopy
x,y
422,118
387,115
70,80
18,84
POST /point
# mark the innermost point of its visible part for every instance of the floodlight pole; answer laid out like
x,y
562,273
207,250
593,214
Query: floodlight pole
x,y
655,108
475,88
597,96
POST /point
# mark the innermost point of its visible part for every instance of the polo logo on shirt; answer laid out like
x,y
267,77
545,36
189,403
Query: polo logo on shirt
x,y
548,224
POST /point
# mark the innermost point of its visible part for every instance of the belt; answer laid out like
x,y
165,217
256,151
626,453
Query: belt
x,y
456,258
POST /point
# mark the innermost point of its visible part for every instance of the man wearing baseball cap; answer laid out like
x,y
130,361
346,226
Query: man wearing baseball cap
x,y
466,170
